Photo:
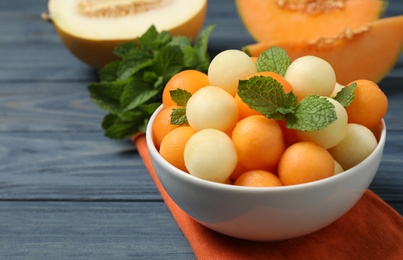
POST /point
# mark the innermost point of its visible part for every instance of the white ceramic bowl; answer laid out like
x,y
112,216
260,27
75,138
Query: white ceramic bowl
x,y
266,214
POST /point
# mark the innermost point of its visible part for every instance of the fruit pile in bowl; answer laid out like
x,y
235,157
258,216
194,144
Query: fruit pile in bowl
x,y
266,149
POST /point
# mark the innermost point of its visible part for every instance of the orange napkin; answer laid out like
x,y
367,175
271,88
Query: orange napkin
x,y
370,230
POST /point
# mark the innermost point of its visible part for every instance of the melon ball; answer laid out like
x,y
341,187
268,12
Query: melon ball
x,y
210,154
332,134
337,88
310,75
212,107
357,145
337,168
228,67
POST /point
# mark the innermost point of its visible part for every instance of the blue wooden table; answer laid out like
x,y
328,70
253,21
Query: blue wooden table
x,y
68,192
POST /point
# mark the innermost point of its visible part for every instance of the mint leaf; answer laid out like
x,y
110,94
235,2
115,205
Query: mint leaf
x,y
135,94
289,103
200,46
190,57
180,41
123,127
168,61
180,96
108,72
178,116
263,94
130,66
346,95
152,40
107,95
149,108
274,59
124,48
311,113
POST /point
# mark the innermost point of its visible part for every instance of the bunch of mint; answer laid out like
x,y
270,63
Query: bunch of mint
x,y
130,89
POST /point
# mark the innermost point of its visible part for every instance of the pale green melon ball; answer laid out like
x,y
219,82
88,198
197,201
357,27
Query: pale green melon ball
x,y
212,107
337,168
337,88
357,145
211,155
332,134
228,67
310,75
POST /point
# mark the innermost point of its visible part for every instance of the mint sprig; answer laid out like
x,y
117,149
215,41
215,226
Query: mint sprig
x,y
130,89
266,95
180,97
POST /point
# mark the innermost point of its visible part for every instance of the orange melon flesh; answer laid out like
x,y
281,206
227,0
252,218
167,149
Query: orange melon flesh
x,y
266,20
93,39
369,54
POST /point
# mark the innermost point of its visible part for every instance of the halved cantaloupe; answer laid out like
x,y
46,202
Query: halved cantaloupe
x,y
91,29
298,20
367,53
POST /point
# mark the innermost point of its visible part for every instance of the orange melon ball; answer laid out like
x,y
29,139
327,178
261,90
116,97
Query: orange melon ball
x,y
258,178
189,80
162,125
305,162
259,142
173,146
369,105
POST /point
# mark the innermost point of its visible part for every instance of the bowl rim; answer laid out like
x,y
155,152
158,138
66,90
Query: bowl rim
x,y
211,184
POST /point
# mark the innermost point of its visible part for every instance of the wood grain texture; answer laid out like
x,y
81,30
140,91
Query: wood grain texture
x,y
68,192
90,230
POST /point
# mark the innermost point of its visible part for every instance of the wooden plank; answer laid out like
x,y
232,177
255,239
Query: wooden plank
x,y
30,48
45,62
90,230
394,91
388,182
71,166
57,106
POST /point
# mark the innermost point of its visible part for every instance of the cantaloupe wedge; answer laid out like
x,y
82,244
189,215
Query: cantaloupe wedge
x,y
367,53
300,20
91,29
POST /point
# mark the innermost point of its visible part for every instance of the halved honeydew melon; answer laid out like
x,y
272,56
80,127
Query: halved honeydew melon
x,y
299,20
91,29
367,53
